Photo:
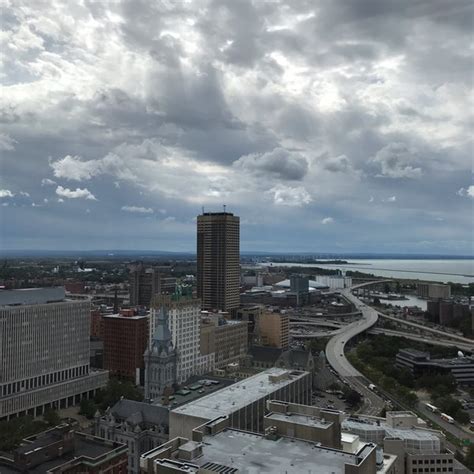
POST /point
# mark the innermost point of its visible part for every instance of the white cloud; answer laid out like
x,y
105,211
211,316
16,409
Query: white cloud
x,y
327,220
390,199
77,194
48,182
24,193
6,193
137,209
73,168
469,192
7,142
289,196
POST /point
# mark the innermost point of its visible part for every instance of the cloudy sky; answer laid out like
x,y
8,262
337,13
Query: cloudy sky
x,y
327,125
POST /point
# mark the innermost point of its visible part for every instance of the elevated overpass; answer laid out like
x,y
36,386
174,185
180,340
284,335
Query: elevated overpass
x,y
373,404
421,338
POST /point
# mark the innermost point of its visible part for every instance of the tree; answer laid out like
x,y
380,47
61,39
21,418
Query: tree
x,y
13,431
115,390
88,408
469,459
353,398
51,417
462,417
335,386
449,405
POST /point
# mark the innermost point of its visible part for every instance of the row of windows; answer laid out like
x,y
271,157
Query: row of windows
x,y
43,380
425,470
432,461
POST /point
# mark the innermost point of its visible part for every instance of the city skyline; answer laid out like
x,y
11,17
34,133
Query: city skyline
x,y
327,127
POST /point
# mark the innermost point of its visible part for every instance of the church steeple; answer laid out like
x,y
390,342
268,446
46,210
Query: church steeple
x,y
161,340
160,359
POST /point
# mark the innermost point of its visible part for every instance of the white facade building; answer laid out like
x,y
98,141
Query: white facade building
x,y
44,351
184,319
335,282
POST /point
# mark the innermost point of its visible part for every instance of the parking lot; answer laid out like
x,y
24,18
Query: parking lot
x,y
323,399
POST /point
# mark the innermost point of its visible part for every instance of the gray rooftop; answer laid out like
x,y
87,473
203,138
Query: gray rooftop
x,y
243,393
304,420
84,446
209,384
252,454
31,296
139,413
415,439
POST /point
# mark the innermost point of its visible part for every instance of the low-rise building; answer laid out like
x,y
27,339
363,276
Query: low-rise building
x,y
244,401
66,451
304,422
217,447
420,363
418,449
138,425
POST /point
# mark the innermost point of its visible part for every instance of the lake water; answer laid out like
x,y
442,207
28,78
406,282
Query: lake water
x,y
456,271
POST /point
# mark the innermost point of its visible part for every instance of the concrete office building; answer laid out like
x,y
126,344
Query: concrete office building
x,y
140,426
227,339
243,402
215,447
66,451
125,341
420,363
250,314
418,449
184,320
44,351
334,282
304,422
148,282
274,329
218,260
433,290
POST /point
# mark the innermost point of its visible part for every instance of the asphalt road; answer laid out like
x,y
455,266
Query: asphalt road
x,y
421,338
336,358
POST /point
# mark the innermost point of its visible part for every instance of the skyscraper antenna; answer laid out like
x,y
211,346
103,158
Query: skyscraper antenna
x,y
203,209
224,206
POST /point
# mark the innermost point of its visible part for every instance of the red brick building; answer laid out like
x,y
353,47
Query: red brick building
x,y
75,287
125,339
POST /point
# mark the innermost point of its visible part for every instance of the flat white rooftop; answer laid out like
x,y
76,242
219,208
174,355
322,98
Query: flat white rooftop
x,y
251,454
237,396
